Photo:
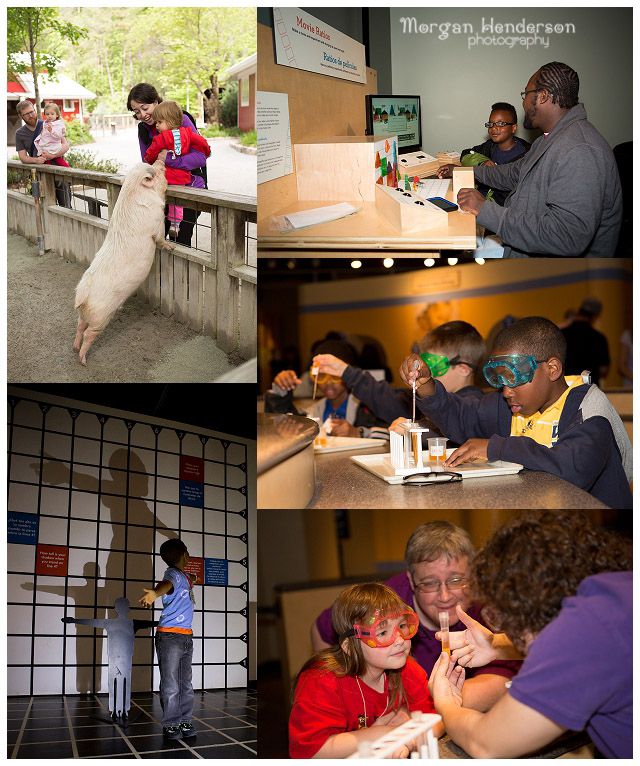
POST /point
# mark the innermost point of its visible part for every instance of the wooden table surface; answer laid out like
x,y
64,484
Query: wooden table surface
x,y
366,230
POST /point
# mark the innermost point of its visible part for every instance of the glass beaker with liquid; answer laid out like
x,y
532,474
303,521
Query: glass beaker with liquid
x,y
437,450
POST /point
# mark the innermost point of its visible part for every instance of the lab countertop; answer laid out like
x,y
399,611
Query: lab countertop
x,y
341,483
281,436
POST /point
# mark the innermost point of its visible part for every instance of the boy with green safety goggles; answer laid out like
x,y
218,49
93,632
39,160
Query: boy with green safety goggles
x,y
540,418
440,364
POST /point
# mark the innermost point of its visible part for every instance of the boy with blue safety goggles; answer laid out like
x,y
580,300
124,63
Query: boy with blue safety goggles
x,y
538,418
510,370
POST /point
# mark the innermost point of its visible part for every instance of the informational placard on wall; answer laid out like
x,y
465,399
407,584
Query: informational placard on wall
x,y
274,136
191,493
216,572
195,566
52,560
191,468
22,528
304,42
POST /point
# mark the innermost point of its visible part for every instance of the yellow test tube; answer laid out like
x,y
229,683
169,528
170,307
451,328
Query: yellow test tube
x,y
444,632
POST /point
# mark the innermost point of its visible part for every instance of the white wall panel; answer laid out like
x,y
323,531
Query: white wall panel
x,y
109,495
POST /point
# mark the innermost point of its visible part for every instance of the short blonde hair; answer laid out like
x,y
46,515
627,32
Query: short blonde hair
x,y
169,112
55,107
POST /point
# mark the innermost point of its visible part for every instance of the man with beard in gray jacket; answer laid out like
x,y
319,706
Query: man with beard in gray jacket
x,y
565,196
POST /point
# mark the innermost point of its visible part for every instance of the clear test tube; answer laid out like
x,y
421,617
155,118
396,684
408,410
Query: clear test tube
x,y
314,374
444,631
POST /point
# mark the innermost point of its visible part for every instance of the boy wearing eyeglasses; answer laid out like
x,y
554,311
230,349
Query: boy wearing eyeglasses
x,y
501,148
348,415
537,417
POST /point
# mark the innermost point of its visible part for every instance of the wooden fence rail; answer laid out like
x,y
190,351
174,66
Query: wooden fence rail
x,y
211,287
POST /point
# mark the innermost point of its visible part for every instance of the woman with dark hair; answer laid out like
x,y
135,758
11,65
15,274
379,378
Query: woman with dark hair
x,y
142,101
560,591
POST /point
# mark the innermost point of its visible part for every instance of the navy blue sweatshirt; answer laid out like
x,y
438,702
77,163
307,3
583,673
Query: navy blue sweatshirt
x,y
586,453
387,402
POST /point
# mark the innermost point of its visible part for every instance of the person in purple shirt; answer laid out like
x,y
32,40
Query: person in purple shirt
x,y
438,556
142,101
560,591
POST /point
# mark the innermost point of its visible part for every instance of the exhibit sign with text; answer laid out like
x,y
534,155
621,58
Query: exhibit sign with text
x,y
304,42
22,528
274,136
52,560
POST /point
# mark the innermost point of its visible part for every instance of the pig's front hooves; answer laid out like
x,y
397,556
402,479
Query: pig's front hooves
x,y
83,361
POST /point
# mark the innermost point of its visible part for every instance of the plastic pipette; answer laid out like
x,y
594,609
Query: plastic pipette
x,y
416,366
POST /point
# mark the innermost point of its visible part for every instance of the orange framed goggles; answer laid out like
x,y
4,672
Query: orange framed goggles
x,y
383,629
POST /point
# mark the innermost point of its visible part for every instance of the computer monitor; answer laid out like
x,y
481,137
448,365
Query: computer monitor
x,y
395,116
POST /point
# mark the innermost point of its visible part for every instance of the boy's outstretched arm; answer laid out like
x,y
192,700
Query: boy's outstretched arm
x,y
151,594
459,419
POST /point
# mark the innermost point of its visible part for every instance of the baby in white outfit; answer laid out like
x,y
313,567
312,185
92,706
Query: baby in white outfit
x,y
53,131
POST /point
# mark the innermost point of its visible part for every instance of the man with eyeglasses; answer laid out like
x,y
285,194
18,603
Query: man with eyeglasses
x,y
26,148
565,197
438,556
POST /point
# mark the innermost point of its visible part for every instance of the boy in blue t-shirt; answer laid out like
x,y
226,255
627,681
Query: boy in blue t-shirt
x,y
174,640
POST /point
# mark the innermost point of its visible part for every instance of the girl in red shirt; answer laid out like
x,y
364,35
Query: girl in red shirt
x,y
179,140
365,686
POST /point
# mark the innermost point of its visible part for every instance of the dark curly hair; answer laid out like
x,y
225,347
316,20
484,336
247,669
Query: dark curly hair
x,y
531,564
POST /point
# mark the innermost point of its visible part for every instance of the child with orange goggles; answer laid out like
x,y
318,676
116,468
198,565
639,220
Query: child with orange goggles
x,y
383,629
364,686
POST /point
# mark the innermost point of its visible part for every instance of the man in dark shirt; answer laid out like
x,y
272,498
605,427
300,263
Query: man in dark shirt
x,y
27,152
587,348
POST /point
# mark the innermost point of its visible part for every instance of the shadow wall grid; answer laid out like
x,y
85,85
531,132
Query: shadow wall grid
x,y
107,489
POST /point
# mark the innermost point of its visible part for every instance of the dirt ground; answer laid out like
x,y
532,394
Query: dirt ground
x,y
139,346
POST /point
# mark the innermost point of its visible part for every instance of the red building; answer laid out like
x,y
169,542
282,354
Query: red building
x,y
245,73
69,95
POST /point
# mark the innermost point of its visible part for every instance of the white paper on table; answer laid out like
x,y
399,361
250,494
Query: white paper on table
x,y
319,215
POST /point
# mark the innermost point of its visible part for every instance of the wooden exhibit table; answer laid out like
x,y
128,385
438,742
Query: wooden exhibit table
x,y
366,233
341,483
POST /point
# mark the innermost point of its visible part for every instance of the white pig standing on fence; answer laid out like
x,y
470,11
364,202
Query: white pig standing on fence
x,y
121,265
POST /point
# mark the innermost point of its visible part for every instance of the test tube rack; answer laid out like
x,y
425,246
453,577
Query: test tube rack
x,y
420,725
403,459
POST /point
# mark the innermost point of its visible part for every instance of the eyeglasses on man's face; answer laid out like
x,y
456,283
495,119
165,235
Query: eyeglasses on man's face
x,y
433,586
523,94
500,124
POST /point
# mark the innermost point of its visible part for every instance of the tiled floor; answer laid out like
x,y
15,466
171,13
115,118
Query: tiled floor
x,y
67,727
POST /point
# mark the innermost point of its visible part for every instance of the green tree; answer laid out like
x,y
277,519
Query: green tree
x,y
26,27
199,44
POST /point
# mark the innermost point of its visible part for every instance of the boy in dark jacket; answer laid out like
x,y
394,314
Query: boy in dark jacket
x,y
501,148
541,419
455,351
